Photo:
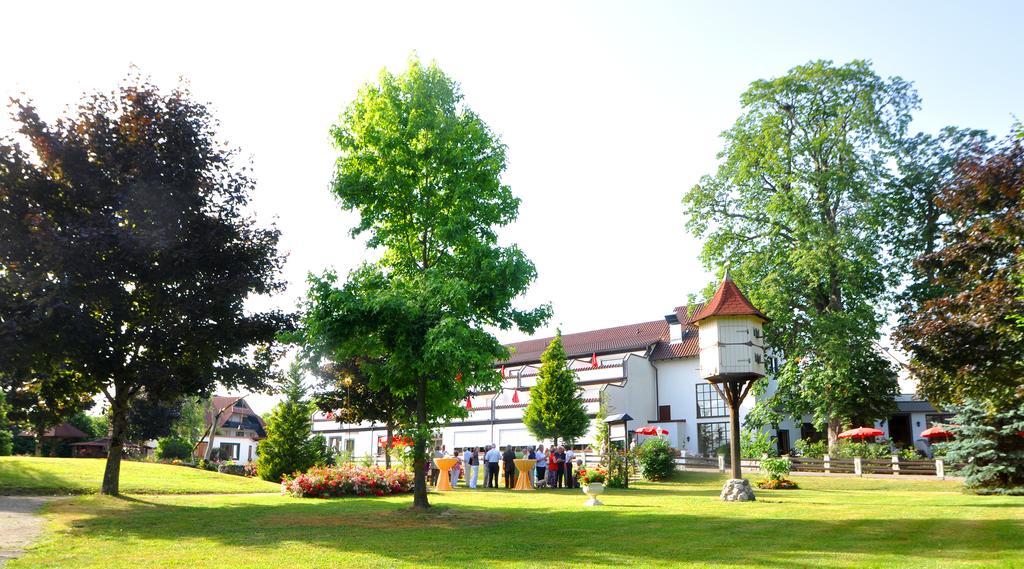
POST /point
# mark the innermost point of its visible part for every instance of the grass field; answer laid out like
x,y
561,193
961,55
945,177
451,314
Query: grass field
x,y
31,475
831,522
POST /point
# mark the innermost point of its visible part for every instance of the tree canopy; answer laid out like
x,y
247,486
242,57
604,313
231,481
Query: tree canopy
x,y
424,174
555,410
963,339
128,254
346,393
798,211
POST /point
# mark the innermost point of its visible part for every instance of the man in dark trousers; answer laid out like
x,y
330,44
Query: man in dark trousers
x,y
491,459
559,467
509,458
570,456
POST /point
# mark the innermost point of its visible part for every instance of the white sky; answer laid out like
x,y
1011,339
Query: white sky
x,y
610,110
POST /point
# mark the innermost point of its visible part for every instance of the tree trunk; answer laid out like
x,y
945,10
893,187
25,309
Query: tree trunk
x,y
834,426
208,453
118,432
387,447
419,496
40,429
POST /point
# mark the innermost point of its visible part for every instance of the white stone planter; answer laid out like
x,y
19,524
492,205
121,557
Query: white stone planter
x,y
593,490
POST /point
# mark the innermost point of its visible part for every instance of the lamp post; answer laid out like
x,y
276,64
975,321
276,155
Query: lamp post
x,y
732,358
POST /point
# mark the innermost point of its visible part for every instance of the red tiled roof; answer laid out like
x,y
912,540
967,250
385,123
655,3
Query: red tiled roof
x,y
221,401
690,344
728,301
628,338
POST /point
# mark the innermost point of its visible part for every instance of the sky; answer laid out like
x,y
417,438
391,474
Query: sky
x,y
610,110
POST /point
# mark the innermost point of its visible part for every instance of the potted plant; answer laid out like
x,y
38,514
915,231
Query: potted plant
x,y
592,483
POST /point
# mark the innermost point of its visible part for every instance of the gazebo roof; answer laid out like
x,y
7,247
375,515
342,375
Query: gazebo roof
x,y
728,301
64,431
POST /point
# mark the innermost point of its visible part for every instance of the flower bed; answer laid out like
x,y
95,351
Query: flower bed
x,y
347,480
777,484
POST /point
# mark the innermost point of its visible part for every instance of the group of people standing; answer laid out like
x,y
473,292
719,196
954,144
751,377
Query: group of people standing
x,y
556,467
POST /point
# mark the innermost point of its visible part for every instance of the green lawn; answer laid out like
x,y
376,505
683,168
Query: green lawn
x,y
831,522
31,475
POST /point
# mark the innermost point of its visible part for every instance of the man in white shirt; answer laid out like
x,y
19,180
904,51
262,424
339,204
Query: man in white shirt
x,y
493,457
569,456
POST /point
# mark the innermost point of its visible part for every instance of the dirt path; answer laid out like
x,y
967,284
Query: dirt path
x,y
19,524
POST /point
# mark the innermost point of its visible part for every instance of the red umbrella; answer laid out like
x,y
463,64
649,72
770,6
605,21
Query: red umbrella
x,y
515,396
593,360
469,403
651,430
936,432
861,433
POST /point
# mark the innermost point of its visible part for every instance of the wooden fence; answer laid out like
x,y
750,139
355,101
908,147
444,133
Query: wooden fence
x,y
828,465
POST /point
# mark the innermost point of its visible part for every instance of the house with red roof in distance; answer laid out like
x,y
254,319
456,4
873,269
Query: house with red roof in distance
x,y
238,432
650,371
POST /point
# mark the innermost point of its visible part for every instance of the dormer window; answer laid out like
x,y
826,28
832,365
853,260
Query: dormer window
x,y
675,329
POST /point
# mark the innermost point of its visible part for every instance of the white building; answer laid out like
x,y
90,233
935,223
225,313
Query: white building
x,y
649,370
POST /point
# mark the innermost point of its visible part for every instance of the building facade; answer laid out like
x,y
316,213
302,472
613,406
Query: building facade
x,y
649,371
239,429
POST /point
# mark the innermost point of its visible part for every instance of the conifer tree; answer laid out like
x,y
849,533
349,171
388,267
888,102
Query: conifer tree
x,y
556,407
989,445
289,446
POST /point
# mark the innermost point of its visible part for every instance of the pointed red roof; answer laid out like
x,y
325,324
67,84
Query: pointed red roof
x,y
728,301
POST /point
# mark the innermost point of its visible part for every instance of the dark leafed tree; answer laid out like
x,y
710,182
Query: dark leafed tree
x,y
424,174
6,434
346,392
963,340
927,164
42,400
556,410
126,245
150,418
798,209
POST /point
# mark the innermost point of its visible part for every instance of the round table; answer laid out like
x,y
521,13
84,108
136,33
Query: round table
x,y
444,481
524,466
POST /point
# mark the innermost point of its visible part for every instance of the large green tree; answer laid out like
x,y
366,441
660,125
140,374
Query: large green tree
x,y
128,253
556,410
962,339
798,209
424,174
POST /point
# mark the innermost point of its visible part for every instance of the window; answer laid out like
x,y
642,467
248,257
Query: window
x,y
664,413
231,448
771,365
709,402
711,436
810,433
